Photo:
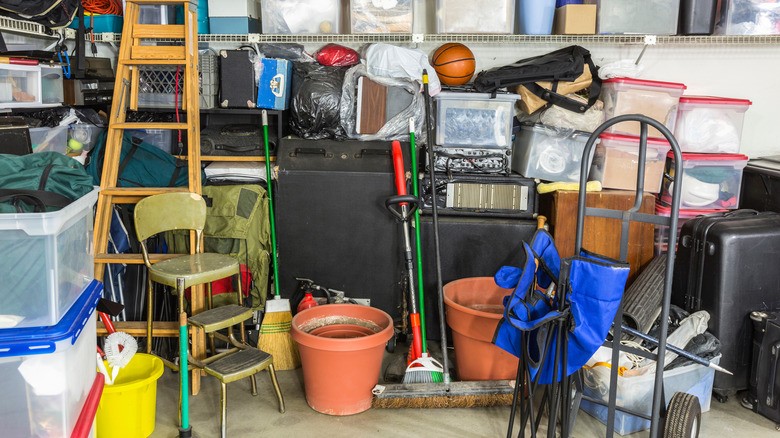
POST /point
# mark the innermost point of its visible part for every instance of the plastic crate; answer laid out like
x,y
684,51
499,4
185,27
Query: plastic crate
x,y
709,181
549,153
162,139
158,84
468,16
20,86
366,17
49,139
46,372
52,85
615,162
636,393
474,119
651,17
708,124
662,231
654,99
301,16
750,17
48,262
82,137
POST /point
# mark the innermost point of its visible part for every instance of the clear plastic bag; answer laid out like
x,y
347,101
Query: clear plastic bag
x,y
563,118
397,128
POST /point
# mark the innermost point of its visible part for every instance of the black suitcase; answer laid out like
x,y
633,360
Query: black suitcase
x,y
761,184
727,265
332,223
764,394
237,85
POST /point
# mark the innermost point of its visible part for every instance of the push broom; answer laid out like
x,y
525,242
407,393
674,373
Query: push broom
x,y
445,394
274,336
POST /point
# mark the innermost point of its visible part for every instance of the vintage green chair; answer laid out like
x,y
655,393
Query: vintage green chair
x,y
187,211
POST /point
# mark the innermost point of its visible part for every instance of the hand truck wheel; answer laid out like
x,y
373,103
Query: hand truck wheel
x,y
683,416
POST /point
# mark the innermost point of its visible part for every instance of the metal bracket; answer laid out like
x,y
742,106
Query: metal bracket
x,y
418,37
650,40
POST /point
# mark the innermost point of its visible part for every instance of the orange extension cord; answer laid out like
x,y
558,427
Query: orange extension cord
x,y
113,7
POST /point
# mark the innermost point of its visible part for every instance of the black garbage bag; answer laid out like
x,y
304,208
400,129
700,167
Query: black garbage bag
x,y
316,101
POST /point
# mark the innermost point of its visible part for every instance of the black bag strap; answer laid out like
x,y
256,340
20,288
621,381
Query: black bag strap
x,y
39,198
564,102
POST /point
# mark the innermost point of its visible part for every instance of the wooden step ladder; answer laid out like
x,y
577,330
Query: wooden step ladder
x,y
131,56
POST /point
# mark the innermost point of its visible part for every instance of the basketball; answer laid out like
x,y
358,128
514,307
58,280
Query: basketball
x,y
454,63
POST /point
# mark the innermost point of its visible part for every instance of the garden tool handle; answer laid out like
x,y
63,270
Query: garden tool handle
x,y
398,167
540,220
403,200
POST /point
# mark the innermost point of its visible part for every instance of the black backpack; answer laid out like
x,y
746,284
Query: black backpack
x,y
53,14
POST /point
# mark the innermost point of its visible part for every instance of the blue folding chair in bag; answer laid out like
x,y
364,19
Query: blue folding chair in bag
x,y
562,310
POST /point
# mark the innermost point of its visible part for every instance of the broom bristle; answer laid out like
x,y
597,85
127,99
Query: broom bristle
x,y
274,338
456,401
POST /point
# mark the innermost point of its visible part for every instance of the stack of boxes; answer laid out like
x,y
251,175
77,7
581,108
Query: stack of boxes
x,y
47,326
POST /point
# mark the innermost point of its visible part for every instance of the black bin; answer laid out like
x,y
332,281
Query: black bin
x,y
697,17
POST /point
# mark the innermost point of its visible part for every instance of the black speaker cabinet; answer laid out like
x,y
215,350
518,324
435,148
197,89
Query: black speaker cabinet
x,y
470,247
332,224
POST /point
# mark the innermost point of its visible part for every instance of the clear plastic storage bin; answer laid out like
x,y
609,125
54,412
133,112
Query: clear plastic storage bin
x,y
474,119
368,17
709,181
468,16
657,100
636,393
707,124
83,137
616,159
47,262
301,16
160,138
647,17
548,153
49,139
46,372
20,85
51,85
750,17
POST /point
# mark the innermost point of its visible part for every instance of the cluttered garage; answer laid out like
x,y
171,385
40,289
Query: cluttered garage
x,y
389,218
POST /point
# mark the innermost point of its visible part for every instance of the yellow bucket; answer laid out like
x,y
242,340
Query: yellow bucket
x,y
127,408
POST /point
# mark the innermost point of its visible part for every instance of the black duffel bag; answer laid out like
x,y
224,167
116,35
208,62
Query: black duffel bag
x,y
53,14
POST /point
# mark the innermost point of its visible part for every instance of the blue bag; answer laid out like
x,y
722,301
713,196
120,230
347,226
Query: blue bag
x,y
592,287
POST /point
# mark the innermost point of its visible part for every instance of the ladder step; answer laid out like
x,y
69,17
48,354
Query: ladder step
x,y
151,53
239,365
220,317
140,191
158,31
149,125
156,62
133,259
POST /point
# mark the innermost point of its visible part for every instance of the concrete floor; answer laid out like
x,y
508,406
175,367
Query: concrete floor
x,y
259,416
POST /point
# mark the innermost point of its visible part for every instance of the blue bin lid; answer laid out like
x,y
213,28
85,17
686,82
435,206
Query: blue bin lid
x,y
43,340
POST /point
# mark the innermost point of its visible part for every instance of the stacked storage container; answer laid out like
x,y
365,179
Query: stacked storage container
x,y
47,326
709,131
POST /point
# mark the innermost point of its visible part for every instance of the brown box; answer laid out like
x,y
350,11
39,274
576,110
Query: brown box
x,y
575,20
600,235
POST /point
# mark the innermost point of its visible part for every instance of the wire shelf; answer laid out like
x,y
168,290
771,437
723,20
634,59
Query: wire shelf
x,y
24,27
465,38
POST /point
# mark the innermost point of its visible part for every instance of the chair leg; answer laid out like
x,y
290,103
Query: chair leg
x,y
253,380
272,373
223,409
210,305
149,313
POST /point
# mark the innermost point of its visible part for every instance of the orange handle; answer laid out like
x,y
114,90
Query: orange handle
x,y
398,165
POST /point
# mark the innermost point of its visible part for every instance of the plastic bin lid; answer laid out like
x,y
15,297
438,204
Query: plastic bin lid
x,y
43,340
665,210
712,100
646,83
658,142
710,157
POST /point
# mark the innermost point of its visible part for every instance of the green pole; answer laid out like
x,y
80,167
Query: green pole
x,y
417,238
269,182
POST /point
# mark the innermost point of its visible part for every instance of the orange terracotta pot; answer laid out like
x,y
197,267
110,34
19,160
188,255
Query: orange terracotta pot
x,y
474,307
341,348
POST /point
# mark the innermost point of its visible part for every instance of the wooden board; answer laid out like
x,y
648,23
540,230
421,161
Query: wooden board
x,y
601,235
371,106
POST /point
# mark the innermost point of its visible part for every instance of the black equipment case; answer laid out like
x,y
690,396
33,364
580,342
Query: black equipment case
x,y
237,85
761,184
764,393
727,264
332,223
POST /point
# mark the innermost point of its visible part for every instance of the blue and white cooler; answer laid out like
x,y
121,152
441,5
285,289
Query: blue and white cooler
x,y
273,88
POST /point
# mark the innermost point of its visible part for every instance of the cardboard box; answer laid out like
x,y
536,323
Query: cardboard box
x,y
575,20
